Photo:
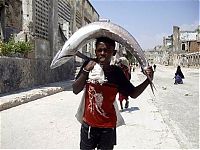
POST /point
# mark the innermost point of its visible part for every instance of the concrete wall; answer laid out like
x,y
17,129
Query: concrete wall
x,y
20,73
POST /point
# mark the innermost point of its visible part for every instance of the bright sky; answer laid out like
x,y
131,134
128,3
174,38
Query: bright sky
x,y
149,20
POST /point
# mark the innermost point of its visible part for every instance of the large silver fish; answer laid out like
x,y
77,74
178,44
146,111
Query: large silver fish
x,y
92,31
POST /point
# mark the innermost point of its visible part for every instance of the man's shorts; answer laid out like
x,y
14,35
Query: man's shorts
x,y
101,138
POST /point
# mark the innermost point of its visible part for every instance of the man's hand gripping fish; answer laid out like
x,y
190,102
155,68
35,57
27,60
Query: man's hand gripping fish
x,y
100,29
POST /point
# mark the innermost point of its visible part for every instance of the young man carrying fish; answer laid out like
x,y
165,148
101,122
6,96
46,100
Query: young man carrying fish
x,y
101,82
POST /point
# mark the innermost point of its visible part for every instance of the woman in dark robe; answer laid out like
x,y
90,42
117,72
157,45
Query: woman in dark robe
x,y
179,72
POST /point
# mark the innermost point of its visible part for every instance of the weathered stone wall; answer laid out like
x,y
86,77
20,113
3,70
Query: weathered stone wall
x,y
194,46
20,73
13,17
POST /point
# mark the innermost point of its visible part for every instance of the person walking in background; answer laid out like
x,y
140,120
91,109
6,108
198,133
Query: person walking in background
x,y
154,67
124,65
101,82
179,72
178,76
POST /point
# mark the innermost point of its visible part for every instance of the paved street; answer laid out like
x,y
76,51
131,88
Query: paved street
x,y
168,120
179,104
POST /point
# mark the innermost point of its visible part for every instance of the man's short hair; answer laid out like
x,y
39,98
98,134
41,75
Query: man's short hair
x,y
105,40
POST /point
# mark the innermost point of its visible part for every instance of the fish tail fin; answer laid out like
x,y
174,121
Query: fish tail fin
x,y
152,88
151,85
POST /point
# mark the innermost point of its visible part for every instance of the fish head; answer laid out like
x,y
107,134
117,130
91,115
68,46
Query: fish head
x,y
73,44
63,55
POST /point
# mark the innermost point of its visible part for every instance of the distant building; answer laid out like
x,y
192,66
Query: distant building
x,y
168,41
182,41
183,47
189,41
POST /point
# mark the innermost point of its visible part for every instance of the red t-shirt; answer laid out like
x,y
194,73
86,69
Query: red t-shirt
x,y
99,108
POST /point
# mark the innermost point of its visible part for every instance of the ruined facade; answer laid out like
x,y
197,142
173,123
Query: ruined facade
x,y
39,21
189,41
180,48
47,24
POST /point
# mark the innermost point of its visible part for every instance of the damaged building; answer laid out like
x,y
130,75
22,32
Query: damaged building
x,y
181,48
46,24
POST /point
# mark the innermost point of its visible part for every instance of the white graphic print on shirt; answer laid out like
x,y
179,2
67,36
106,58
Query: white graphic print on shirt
x,y
95,101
